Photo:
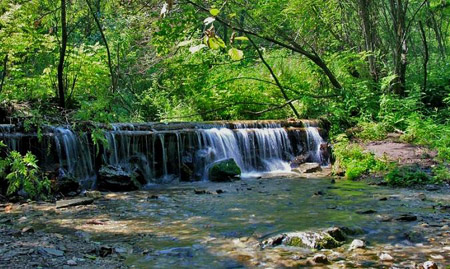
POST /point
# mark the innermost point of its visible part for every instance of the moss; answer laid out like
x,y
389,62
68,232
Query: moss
x,y
327,242
224,170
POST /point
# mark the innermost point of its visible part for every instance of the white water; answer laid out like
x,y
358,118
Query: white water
x,y
74,155
255,150
313,142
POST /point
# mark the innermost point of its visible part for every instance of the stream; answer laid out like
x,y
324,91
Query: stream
x,y
221,225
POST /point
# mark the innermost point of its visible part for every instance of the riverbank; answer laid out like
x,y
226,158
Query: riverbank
x,y
220,225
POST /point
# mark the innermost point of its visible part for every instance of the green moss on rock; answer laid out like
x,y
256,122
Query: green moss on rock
x,y
225,170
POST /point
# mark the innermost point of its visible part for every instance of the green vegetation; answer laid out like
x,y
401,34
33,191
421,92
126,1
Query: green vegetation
x,y
22,174
373,67
408,176
354,161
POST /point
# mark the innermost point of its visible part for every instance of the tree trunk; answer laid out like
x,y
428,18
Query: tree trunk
x,y
400,48
110,65
2,82
369,34
437,31
62,55
426,56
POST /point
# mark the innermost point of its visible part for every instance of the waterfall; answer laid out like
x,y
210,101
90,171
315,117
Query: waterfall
x,y
263,149
162,153
314,142
9,137
74,154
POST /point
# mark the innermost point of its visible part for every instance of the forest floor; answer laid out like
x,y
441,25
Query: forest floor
x,y
402,153
222,225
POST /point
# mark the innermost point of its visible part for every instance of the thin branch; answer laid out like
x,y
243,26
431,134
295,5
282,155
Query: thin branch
x,y
283,92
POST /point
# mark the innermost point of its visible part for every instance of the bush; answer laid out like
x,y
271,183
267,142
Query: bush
x,y
353,159
407,176
22,173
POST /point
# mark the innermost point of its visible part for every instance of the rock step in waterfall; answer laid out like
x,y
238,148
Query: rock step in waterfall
x,y
161,153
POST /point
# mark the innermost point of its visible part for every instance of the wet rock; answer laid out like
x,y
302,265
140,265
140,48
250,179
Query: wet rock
x,y
153,197
320,259
299,160
71,263
432,187
74,202
414,237
357,243
308,168
319,193
225,170
406,218
383,199
67,185
104,251
386,257
113,178
202,192
93,194
28,229
219,191
422,196
429,265
51,251
366,212
317,240
336,233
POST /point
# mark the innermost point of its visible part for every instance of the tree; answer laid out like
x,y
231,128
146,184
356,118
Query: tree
x,y
62,55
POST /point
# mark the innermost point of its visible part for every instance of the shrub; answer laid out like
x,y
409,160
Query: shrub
x,y
22,173
352,158
407,176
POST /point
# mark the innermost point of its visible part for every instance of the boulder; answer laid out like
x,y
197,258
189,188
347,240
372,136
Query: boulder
x,y
357,243
224,170
113,178
299,160
307,168
325,239
66,185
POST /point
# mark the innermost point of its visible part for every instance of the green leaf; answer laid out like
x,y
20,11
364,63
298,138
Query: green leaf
x,y
242,38
235,54
216,43
214,12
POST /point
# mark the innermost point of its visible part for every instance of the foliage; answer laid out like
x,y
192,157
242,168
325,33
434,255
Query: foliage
x,y
407,176
22,173
354,161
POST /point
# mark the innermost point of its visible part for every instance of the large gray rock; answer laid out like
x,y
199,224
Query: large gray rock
x,y
325,239
224,170
112,178
307,168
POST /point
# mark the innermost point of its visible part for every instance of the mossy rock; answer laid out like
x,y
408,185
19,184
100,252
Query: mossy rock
x,y
325,239
224,170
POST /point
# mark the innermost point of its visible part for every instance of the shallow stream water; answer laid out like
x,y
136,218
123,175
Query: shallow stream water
x,y
173,227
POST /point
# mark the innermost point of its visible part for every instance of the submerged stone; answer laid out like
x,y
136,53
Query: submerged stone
x,y
225,170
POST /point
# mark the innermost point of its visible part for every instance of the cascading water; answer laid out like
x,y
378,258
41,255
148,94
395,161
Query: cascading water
x,y
74,154
254,149
314,142
161,153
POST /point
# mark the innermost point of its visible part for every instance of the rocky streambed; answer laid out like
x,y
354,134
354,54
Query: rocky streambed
x,y
266,222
